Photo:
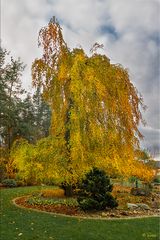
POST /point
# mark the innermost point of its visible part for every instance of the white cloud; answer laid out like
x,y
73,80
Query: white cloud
x,y
132,16
151,135
151,141
128,29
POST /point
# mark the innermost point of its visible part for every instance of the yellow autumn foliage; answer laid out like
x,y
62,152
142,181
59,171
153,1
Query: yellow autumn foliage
x,y
52,193
95,112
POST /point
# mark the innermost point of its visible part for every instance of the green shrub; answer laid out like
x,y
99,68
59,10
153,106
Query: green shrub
x,y
95,191
156,179
9,183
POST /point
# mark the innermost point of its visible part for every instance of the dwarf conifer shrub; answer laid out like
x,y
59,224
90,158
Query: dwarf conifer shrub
x,y
95,191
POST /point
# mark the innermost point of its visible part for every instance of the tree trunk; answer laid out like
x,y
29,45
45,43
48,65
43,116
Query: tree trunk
x,y
68,189
9,137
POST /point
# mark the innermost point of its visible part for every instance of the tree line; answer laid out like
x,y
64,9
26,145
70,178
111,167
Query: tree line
x,y
22,114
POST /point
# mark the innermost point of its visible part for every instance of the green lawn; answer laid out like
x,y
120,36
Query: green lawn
x,y
25,224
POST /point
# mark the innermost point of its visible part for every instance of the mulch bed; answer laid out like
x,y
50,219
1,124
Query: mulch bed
x,y
22,201
74,211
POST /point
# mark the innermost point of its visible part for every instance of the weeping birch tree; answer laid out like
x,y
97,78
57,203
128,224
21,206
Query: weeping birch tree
x,y
95,109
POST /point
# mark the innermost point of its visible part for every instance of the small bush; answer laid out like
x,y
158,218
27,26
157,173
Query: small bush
x,y
9,183
52,193
94,191
156,179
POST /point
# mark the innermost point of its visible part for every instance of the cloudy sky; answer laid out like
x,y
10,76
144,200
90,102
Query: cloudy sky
x,y
129,31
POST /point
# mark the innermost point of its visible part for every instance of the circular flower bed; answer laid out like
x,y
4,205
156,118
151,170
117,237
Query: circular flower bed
x,y
69,206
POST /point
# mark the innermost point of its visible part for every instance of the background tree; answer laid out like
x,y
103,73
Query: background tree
x,y
21,115
11,92
26,119
42,115
35,117
95,108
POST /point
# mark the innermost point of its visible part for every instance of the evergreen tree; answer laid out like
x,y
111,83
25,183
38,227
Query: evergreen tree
x,y
11,92
26,117
42,115
95,191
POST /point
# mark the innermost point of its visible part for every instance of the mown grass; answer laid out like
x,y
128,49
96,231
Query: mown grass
x,y
26,224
